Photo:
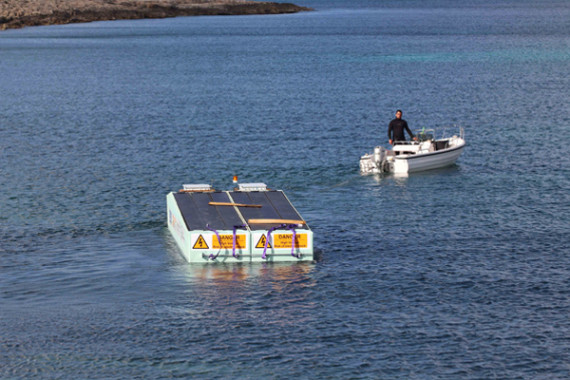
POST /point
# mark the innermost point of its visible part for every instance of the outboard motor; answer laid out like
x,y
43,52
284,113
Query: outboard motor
x,y
379,156
373,162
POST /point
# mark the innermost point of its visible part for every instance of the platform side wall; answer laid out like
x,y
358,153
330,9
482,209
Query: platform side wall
x,y
177,226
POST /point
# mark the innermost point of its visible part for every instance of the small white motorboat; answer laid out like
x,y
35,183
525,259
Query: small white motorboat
x,y
405,157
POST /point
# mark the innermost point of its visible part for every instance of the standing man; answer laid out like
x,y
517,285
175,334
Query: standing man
x,y
396,129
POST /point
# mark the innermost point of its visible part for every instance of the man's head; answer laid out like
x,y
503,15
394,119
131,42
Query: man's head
x,y
398,114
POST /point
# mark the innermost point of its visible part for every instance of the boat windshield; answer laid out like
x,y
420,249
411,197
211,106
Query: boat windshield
x,y
442,133
425,134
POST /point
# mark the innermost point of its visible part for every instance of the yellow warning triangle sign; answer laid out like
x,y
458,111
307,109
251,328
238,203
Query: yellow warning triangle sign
x,y
261,243
200,243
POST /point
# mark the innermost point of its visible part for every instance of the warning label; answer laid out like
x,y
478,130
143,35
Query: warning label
x,y
228,241
200,243
261,242
286,240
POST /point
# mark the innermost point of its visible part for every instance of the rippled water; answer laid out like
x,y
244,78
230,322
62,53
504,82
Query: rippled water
x,y
457,273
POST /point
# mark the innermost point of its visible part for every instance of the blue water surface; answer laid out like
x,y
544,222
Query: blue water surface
x,y
462,272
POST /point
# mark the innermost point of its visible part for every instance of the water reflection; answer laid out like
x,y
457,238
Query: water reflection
x,y
222,273
254,295
400,179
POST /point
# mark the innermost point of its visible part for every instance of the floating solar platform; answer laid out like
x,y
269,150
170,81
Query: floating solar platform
x,y
250,223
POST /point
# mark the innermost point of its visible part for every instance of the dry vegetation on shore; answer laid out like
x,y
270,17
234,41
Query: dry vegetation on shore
x,y
20,13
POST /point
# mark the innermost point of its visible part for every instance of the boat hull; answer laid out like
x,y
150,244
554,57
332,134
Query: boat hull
x,y
427,161
413,156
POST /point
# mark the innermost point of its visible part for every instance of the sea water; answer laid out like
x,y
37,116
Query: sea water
x,y
462,272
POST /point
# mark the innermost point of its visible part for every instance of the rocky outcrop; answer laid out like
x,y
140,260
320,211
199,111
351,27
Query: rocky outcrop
x,y
21,13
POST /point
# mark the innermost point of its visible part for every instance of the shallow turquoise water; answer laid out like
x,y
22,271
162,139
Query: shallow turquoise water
x,y
461,272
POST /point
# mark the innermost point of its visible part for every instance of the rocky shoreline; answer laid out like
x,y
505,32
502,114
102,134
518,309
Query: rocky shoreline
x,y
22,13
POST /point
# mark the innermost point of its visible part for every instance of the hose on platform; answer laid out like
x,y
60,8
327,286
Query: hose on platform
x,y
292,227
212,256
264,256
234,238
